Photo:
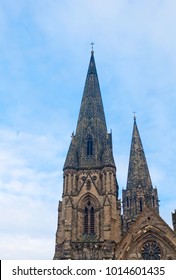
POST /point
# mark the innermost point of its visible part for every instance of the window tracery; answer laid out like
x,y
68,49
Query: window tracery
x,y
151,251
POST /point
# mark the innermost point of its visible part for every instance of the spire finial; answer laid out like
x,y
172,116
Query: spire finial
x,y
134,113
92,44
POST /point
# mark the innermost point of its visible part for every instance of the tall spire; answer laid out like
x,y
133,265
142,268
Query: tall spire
x,y
91,105
91,145
138,172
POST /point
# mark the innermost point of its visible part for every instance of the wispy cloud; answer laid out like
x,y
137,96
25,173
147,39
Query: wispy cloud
x,y
29,188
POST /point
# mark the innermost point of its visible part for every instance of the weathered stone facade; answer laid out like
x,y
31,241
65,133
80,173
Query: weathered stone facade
x,y
91,224
89,215
148,238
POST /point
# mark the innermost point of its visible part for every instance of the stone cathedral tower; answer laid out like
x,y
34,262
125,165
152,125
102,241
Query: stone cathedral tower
x,y
89,219
91,223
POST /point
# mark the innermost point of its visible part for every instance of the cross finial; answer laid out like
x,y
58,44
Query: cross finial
x,y
92,44
134,115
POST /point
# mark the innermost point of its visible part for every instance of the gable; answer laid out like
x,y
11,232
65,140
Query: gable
x,y
149,237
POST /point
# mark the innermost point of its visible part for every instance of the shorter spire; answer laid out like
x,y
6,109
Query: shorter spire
x,y
138,172
139,191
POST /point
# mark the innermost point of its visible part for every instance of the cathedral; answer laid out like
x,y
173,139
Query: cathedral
x,y
93,223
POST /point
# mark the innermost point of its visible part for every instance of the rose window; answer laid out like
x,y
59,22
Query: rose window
x,y
151,251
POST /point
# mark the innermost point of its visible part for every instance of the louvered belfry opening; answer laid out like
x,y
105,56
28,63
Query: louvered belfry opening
x,y
86,221
89,220
92,221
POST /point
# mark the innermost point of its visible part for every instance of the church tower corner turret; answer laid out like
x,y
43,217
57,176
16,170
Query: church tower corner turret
x,y
174,220
89,218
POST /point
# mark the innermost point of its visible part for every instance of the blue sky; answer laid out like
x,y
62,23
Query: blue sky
x,y
44,55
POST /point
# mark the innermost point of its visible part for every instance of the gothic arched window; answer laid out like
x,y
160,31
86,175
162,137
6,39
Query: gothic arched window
x,y
127,201
89,219
86,220
89,147
92,220
153,201
140,204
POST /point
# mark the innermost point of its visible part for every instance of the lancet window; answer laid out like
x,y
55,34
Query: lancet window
x,y
89,146
89,219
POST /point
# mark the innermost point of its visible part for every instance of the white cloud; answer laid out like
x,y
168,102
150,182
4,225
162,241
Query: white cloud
x,y
19,247
30,190
27,223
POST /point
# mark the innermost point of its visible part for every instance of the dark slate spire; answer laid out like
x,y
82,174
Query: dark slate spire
x,y
138,172
91,106
92,145
139,191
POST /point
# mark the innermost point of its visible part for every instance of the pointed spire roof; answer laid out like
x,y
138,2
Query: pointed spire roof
x,y
91,105
91,139
138,172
